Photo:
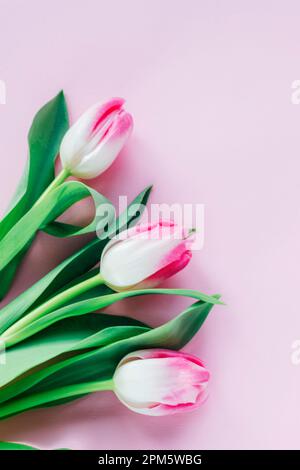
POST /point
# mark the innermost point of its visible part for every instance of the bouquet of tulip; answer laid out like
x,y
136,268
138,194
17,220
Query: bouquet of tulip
x,y
59,344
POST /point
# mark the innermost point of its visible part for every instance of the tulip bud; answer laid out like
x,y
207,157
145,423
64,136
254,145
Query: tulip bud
x,y
160,382
145,255
91,145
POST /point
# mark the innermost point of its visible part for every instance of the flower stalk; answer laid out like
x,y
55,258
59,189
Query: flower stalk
x,y
43,398
58,180
52,304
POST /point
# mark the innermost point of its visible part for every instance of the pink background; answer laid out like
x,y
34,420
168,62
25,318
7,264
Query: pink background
x,y
209,85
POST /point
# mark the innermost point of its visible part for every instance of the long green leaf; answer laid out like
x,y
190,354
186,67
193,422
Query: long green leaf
x,y
72,334
93,304
45,135
99,364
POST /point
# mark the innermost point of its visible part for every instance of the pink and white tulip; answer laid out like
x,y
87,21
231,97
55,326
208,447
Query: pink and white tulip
x,y
145,255
160,382
92,144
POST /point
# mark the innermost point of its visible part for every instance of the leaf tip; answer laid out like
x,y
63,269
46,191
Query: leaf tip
x,y
217,297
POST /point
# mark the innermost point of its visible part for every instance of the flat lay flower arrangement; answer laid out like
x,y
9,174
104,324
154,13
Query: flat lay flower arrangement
x,y
59,344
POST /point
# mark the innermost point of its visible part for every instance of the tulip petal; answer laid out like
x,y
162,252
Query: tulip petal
x,y
105,110
146,256
157,382
108,147
95,139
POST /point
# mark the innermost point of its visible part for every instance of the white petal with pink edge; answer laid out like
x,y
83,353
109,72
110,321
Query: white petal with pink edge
x,y
95,139
158,382
145,255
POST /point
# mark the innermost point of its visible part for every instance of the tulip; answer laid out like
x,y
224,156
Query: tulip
x,y
145,255
92,144
160,382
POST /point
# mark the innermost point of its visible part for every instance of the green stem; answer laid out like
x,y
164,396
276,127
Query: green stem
x,y
42,398
54,303
15,241
60,178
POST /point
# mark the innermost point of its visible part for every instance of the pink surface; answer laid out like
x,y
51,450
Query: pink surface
x,y
209,85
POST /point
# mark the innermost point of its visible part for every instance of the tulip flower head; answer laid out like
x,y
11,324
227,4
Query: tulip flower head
x,y
145,255
160,382
92,144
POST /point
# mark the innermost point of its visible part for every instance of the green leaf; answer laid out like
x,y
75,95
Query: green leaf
x,y
49,208
7,275
15,446
125,220
70,269
96,303
72,334
99,364
45,135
